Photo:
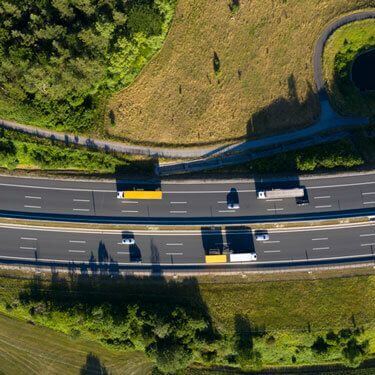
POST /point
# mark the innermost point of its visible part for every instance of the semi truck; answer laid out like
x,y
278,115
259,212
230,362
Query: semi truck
x,y
281,193
140,194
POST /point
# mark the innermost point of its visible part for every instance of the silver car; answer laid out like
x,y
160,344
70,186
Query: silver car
x,y
128,241
262,237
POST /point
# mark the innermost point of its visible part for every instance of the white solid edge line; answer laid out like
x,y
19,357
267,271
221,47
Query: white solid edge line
x,y
310,260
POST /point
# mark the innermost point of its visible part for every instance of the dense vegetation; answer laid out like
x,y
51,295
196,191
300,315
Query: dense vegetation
x,y
23,151
177,324
59,58
340,154
340,52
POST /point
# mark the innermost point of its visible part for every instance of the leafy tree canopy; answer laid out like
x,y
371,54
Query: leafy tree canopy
x,y
61,56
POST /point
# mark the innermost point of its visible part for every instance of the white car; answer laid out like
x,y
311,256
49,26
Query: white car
x,y
128,241
233,206
262,237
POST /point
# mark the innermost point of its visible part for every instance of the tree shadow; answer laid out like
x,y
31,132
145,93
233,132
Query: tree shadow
x,y
93,366
245,334
283,113
152,314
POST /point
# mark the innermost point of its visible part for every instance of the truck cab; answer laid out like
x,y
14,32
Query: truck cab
x,y
261,194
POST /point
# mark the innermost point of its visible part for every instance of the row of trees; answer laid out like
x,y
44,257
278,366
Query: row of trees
x,y
61,56
340,154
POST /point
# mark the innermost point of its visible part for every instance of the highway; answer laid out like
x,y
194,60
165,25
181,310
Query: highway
x,y
185,202
186,249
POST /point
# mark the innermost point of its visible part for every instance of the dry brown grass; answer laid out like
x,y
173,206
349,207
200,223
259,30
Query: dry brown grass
x,y
265,84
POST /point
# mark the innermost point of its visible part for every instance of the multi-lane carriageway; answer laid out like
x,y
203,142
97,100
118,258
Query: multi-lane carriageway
x,y
314,245
199,203
185,202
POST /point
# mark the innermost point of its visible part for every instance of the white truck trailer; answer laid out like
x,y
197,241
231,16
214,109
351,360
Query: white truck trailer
x,y
281,193
244,257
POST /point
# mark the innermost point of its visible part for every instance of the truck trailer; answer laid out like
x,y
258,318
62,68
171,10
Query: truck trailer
x,y
281,193
140,194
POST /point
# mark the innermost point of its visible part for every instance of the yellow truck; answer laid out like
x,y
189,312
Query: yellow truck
x,y
216,258
140,194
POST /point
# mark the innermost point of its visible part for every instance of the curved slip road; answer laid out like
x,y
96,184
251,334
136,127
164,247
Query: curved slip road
x,y
183,251
327,32
185,202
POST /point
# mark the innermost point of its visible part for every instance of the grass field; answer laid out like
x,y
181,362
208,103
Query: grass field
x,y
26,349
280,315
340,52
224,75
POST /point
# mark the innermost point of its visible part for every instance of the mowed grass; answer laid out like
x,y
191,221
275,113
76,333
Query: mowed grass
x,y
262,81
26,349
297,305
340,52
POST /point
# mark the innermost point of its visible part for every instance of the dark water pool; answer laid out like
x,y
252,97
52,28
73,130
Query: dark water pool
x,y
363,71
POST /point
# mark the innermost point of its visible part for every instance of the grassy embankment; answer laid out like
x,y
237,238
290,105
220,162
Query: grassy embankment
x,y
20,151
224,74
340,52
259,322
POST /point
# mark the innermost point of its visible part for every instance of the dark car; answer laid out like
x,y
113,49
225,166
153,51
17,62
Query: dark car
x,y
303,201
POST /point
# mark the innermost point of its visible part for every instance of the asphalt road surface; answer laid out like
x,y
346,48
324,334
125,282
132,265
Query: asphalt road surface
x,y
182,248
185,202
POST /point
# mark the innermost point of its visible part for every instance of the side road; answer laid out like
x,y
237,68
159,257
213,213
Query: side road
x,y
329,120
